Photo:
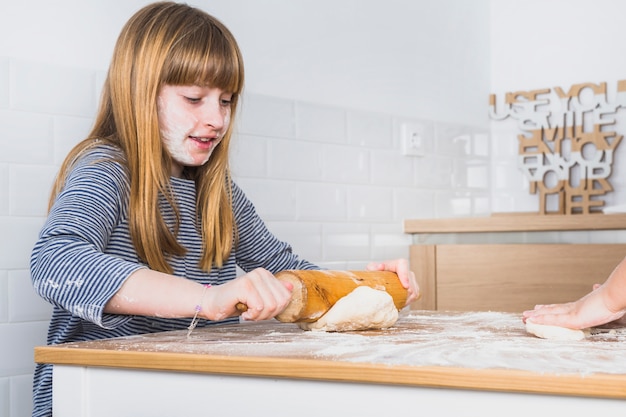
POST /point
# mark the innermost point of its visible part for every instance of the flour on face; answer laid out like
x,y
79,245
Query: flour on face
x,y
191,120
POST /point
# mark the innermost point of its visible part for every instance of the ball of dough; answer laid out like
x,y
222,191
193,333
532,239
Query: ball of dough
x,y
545,331
364,308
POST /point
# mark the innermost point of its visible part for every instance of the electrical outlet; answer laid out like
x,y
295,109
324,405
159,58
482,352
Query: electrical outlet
x,y
413,139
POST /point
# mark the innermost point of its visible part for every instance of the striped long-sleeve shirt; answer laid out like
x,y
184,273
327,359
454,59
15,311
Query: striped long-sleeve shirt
x,y
84,254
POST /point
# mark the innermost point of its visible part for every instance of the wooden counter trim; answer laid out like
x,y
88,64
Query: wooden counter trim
x,y
591,385
517,223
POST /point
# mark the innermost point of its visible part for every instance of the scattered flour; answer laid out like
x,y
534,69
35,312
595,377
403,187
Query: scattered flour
x,y
475,340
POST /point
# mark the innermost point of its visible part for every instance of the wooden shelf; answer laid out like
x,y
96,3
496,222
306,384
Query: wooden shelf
x,y
517,223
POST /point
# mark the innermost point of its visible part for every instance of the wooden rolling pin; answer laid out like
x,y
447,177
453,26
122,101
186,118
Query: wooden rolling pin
x,y
316,291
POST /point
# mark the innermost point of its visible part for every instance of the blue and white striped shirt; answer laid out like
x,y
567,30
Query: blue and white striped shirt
x,y
84,254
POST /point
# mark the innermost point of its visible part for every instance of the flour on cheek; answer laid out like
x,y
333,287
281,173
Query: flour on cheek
x,y
175,123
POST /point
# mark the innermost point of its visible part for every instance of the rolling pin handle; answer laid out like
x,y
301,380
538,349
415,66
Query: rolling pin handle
x,y
241,307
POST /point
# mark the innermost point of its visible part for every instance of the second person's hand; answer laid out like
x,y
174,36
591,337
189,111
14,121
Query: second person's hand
x,y
590,310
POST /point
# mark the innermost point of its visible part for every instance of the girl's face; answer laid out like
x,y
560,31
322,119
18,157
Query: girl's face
x,y
192,121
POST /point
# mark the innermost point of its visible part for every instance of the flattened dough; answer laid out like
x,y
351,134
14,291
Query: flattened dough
x,y
364,308
545,331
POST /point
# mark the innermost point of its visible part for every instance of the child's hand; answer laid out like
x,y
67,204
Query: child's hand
x,y
263,294
407,277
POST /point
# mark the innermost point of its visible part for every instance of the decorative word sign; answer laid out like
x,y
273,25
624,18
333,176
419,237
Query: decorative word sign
x,y
566,148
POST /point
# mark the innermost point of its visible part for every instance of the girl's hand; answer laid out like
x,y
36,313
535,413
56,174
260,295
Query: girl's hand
x,y
407,277
263,294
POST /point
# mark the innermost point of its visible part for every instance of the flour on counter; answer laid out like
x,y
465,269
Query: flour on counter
x,y
478,340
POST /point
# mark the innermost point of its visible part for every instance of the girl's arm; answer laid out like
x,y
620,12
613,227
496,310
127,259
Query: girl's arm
x,y
151,293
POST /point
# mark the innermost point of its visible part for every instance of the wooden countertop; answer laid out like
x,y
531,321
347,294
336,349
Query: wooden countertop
x,y
517,223
481,350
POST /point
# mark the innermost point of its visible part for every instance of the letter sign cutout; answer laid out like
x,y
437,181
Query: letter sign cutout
x,y
566,146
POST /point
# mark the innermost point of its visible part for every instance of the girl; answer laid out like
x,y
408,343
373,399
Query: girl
x,y
146,227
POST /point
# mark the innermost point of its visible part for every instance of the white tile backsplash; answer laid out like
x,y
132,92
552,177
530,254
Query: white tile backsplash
x,y
321,123
4,189
296,160
521,202
26,138
21,395
481,144
5,392
343,242
371,130
411,203
16,357
304,238
344,164
266,116
321,202
25,304
435,172
4,83
451,204
370,204
504,143
481,205
471,173
389,241
29,189
274,200
505,178
67,132
4,296
18,237
453,140
391,168
248,156
41,87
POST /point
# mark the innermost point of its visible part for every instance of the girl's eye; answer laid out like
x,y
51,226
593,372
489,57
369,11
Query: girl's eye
x,y
192,99
226,100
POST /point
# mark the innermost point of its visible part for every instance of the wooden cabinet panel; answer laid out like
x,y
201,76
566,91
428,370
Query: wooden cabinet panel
x,y
515,277
422,259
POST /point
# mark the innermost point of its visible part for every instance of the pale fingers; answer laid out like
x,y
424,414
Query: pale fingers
x,y
265,296
406,276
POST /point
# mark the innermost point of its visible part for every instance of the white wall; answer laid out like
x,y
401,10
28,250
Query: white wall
x,y
330,83
412,58
424,58
538,44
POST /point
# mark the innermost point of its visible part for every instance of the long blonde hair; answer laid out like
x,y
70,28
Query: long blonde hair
x,y
175,44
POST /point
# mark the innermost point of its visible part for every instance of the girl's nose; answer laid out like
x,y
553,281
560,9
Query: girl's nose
x,y
214,115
